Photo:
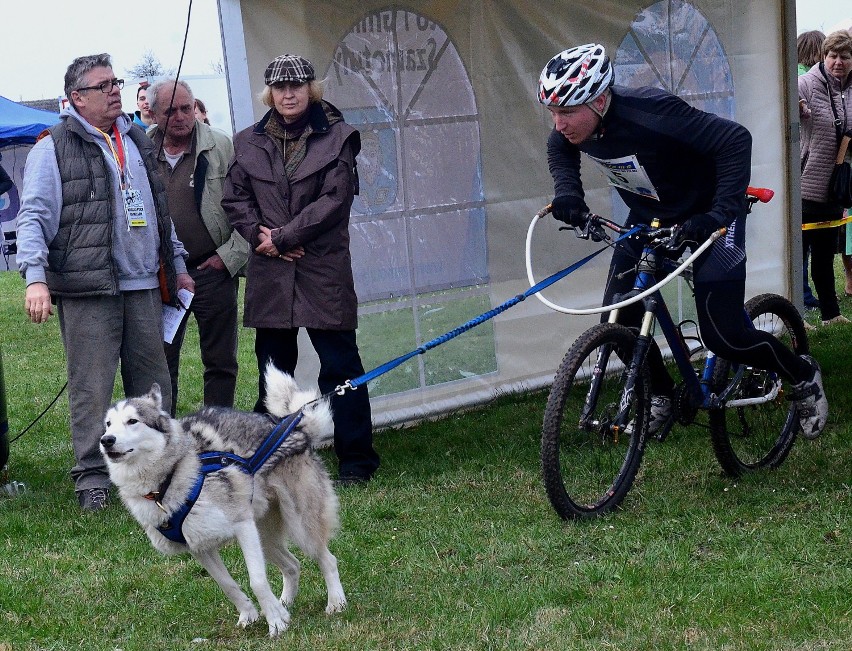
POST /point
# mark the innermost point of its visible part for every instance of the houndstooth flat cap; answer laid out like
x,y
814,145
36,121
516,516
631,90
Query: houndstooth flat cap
x,y
289,67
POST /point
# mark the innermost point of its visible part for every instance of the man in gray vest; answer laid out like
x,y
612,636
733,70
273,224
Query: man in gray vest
x,y
193,161
95,237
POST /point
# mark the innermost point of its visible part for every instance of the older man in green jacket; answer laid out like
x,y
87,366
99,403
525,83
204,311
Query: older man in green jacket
x,y
193,159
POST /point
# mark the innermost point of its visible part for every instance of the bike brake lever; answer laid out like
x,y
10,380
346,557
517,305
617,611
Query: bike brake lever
x,y
596,232
579,232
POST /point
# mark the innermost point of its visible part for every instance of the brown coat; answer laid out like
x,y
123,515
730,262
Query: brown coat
x,y
310,210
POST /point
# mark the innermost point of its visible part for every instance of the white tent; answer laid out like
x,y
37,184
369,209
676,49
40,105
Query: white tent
x,y
453,165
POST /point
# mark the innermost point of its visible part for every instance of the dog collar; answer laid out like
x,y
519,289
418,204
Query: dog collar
x,y
156,496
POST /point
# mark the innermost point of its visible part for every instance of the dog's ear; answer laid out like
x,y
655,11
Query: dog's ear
x,y
156,396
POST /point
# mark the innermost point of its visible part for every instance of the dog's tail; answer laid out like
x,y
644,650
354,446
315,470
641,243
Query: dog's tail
x,y
284,397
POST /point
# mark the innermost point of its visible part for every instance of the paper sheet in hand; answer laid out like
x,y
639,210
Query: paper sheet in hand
x,y
172,316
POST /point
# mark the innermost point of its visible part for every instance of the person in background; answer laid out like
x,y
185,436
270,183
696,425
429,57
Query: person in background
x,y
6,182
288,192
824,91
143,116
201,111
193,160
695,169
809,53
94,234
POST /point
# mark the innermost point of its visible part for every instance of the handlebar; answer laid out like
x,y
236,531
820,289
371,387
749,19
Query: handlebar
x,y
595,226
595,230
595,223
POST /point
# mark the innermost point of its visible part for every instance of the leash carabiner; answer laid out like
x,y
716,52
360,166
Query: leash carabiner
x,y
341,389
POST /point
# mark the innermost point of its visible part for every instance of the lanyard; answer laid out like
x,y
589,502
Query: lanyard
x,y
117,151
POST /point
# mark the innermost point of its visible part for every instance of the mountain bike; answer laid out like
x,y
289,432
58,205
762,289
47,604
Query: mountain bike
x,y
596,421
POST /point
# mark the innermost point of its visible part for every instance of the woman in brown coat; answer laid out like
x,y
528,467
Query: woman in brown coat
x,y
288,193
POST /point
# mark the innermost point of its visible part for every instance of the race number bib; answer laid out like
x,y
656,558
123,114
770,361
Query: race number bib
x,y
627,174
134,209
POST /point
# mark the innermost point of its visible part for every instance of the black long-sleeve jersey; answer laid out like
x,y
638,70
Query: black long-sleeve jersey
x,y
667,159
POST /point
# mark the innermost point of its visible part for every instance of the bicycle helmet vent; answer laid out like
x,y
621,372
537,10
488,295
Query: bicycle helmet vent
x,y
575,76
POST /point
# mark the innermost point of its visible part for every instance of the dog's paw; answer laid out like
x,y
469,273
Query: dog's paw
x,y
278,620
277,627
335,605
248,617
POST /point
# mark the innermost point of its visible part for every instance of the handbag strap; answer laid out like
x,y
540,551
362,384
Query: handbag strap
x,y
838,125
841,151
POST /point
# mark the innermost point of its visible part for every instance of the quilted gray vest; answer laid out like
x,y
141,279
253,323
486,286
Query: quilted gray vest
x,y
79,257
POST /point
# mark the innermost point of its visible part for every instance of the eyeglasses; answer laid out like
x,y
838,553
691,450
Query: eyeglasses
x,y
105,87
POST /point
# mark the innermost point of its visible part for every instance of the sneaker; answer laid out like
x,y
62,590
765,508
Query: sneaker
x,y
662,417
661,420
93,499
837,320
811,403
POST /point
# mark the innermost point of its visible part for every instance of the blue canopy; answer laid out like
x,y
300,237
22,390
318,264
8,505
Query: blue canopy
x,y
20,125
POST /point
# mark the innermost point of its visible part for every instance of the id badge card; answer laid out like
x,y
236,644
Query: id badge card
x,y
134,209
627,173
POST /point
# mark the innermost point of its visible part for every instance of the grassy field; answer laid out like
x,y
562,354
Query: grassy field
x,y
453,545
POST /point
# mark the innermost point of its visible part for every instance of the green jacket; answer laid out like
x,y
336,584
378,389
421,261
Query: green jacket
x,y
213,153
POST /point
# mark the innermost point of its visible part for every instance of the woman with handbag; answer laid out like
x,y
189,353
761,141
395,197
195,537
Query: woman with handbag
x,y
808,53
825,105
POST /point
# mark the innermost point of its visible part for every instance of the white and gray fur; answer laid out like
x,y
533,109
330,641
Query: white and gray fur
x,y
290,498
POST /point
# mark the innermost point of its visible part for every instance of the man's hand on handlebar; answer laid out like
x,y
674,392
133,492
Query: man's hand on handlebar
x,y
695,231
570,210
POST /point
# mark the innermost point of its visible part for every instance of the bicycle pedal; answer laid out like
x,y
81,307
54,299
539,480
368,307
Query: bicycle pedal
x,y
662,434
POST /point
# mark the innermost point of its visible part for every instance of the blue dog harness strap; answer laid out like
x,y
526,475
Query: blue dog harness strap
x,y
272,442
215,461
173,527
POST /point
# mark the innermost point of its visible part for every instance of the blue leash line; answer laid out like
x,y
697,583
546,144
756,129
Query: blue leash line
x,y
437,341
215,461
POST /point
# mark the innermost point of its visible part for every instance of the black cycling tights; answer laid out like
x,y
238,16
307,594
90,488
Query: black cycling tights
x,y
726,335
722,323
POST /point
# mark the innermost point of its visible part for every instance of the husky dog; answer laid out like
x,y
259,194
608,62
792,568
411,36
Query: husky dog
x,y
154,461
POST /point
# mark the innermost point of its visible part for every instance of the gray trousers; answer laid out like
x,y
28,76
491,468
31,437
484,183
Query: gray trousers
x,y
215,308
98,332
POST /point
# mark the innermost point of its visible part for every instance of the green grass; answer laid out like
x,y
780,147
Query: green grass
x,y
453,545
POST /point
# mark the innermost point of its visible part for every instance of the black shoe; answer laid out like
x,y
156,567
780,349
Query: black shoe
x,y
350,479
93,499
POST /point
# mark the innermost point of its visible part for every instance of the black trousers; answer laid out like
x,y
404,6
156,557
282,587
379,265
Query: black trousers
x,y
339,361
215,308
822,243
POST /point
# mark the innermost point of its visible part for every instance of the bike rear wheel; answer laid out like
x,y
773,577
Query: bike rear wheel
x,y
752,437
587,465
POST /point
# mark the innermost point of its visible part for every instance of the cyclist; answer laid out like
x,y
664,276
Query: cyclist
x,y
685,167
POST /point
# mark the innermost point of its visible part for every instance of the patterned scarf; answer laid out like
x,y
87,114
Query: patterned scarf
x,y
293,143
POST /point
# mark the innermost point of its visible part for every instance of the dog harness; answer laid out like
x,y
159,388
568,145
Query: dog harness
x,y
215,461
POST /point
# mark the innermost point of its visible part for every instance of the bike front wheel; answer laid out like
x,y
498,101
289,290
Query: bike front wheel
x,y
757,426
588,463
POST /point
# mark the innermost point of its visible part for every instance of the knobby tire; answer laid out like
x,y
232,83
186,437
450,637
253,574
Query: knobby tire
x,y
588,468
749,438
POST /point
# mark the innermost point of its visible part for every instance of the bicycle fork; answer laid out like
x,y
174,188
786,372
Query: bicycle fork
x,y
637,361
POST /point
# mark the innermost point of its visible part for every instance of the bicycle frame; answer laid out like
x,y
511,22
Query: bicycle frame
x,y
589,464
698,386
